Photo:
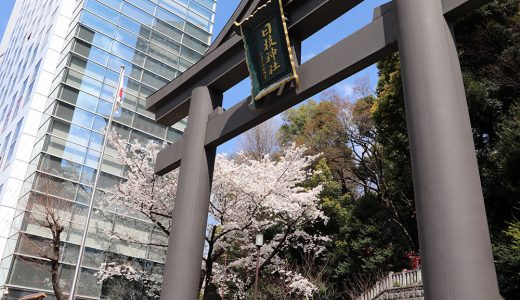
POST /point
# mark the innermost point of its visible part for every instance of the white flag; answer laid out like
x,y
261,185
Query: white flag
x,y
118,95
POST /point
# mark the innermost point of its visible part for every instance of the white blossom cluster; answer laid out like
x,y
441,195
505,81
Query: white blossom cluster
x,y
143,191
109,270
113,270
299,285
248,196
266,195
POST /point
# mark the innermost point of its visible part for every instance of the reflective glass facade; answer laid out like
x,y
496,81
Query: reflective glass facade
x,y
155,40
29,55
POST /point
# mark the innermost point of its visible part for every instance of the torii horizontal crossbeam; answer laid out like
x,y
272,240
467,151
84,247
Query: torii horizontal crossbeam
x,y
365,47
225,66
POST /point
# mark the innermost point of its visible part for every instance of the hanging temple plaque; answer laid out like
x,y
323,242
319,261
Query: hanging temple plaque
x,y
268,51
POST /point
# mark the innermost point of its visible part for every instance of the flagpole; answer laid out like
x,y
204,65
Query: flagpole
x,y
91,204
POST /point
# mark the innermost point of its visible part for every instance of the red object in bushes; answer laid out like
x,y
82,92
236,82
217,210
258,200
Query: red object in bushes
x,y
415,260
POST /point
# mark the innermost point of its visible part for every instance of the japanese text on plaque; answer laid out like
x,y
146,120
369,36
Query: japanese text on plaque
x,y
268,58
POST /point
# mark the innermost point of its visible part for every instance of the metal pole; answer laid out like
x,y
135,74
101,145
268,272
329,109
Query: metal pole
x,y
257,271
190,213
453,231
91,204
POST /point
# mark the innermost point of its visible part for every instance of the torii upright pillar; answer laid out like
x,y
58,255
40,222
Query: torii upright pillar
x,y
453,231
190,213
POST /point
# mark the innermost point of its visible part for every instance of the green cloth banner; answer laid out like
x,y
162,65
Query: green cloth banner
x,y
268,51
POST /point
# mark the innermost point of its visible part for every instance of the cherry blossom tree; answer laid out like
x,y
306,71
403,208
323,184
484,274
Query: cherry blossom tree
x,y
248,196
143,191
266,195
146,196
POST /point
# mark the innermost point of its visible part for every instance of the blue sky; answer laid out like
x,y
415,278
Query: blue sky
x,y
5,11
328,36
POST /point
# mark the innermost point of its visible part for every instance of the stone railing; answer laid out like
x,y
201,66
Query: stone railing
x,y
391,282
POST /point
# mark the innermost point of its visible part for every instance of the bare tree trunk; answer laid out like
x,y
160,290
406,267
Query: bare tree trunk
x,y
260,140
210,258
51,214
56,281
57,229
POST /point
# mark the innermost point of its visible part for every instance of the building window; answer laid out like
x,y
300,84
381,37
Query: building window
x,y
13,144
17,130
6,142
29,92
10,155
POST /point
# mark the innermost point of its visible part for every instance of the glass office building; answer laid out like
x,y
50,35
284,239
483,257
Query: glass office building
x,y
29,55
155,40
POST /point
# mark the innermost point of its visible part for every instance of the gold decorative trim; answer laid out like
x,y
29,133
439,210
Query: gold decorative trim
x,y
250,16
291,58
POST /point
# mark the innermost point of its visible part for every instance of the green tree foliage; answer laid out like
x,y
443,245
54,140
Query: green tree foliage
x,y
507,155
507,256
369,217
506,243
489,46
318,126
389,119
489,43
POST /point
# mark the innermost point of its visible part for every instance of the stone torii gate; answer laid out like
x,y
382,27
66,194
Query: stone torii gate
x,y
453,231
